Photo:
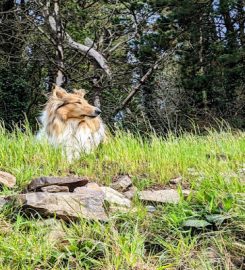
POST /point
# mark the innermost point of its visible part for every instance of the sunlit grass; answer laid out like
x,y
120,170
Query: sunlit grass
x,y
210,165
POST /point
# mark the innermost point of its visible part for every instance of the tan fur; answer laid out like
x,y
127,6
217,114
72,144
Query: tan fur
x,y
69,119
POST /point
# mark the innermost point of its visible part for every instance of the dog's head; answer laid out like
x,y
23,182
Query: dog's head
x,y
73,105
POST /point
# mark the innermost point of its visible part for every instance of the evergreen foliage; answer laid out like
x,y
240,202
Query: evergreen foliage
x,y
202,78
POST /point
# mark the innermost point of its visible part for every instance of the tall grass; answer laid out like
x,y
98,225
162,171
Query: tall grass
x,y
211,165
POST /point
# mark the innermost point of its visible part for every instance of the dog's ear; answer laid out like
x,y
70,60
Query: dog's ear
x,y
80,92
58,91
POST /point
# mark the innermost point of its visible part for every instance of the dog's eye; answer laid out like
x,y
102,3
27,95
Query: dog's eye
x,y
62,105
79,102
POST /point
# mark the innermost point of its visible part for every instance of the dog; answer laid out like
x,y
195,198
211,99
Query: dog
x,y
70,122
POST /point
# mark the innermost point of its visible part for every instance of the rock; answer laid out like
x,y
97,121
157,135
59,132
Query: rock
x,y
150,208
55,188
121,183
130,192
90,186
7,179
68,206
186,192
161,196
176,181
114,197
70,182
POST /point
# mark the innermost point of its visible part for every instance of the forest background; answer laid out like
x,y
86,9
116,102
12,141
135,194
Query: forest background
x,y
191,51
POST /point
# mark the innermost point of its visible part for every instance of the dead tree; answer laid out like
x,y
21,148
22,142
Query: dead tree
x,y
59,37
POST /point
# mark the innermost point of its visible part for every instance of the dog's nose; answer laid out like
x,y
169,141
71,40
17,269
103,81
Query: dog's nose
x,y
97,111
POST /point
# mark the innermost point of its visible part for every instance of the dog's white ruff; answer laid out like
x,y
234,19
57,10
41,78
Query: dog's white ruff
x,y
74,139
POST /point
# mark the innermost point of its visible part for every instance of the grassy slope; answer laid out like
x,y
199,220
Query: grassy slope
x,y
135,240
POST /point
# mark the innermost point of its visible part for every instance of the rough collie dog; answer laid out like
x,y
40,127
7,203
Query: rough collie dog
x,y
69,121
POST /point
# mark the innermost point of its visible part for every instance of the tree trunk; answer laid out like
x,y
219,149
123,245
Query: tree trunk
x,y
97,92
59,38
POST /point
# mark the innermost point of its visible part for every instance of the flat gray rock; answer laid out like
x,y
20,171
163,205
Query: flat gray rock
x,y
160,196
114,197
130,193
65,205
70,182
7,179
91,186
55,189
150,208
121,183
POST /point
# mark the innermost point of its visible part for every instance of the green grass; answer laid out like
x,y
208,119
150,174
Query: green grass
x,y
210,165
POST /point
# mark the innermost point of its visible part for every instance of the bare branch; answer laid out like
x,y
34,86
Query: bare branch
x,y
86,50
89,51
135,89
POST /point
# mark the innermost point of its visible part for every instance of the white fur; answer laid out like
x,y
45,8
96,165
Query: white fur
x,y
74,139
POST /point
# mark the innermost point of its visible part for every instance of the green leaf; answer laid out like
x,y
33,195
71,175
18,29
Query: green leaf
x,y
196,223
217,218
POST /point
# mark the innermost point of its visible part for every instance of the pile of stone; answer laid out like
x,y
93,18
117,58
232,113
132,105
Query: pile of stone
x,y
70,198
